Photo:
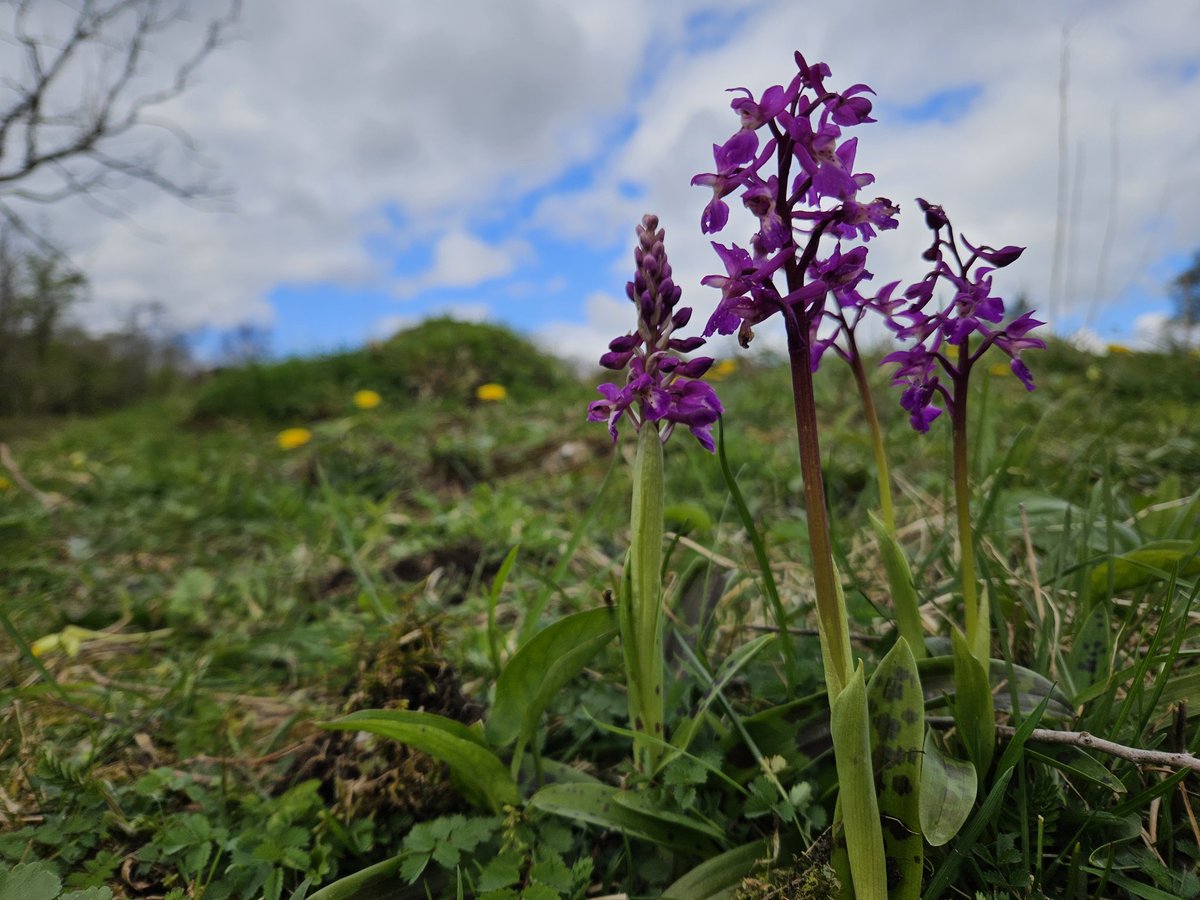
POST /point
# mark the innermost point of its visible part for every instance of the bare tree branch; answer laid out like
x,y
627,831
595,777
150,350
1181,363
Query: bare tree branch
x,y
85,82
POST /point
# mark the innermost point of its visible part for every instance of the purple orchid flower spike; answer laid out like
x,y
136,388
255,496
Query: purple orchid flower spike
x,y
972,313
812,195
660,386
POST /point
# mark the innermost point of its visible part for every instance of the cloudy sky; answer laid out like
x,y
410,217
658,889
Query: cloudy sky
x,y
389,160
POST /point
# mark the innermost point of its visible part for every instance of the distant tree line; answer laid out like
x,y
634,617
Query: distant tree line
x,y
1185,291
79,98
49,364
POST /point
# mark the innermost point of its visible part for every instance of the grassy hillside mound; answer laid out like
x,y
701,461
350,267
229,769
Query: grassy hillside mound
x,y
182,606
439,360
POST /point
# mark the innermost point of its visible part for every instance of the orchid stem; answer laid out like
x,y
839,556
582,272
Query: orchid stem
x,y
641,618
962,497
831,613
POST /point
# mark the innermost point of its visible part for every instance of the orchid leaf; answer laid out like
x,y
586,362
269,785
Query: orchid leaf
x,y
974,715
850,727
480,771
541,668
948,789
598,804
1088,659
897,719
1031,688
903,589
1155,561
715,878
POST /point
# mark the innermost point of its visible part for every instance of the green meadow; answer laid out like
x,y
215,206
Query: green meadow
x,y
188,596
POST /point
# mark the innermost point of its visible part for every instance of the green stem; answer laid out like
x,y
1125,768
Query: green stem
x,y
641,619
962,498
882,473
831,613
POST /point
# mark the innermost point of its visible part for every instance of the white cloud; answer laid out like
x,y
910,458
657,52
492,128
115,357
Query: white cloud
x,y
1157,331
1088,340
1149,329
996,168
582,343
462,260
354,130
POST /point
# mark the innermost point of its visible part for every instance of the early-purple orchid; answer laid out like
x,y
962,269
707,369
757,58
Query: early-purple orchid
x,y
812,194
972,310
661,385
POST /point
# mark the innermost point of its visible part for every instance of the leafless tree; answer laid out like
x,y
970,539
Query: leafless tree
x,y
80,81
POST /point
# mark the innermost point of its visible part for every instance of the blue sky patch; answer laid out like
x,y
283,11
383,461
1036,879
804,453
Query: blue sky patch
x,y
942,107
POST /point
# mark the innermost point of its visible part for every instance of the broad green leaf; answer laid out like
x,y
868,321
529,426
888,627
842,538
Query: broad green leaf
x,y
687,518
598,804
541,668
963,848
92,893
556,771
799,730
1047,514
461,748
641,803
856,790
897,718
948,789
372,883
974,715
1154,561
1182,688
1031,688
715,878
31,881
903,589
1088,659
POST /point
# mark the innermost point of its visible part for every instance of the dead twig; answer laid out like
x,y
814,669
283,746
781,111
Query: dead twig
x,y
47,501
1089,741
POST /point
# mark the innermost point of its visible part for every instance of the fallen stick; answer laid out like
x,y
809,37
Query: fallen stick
x,y
1121,751
48,501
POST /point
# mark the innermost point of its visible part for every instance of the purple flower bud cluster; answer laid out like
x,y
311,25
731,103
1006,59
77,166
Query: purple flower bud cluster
x,y
804,122
972,310
661,386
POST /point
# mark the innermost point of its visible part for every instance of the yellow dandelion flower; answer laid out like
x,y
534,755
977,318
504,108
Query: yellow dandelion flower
x,y
722,370
491,393
291,438
367,399
5,484
1118,350
1000,369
